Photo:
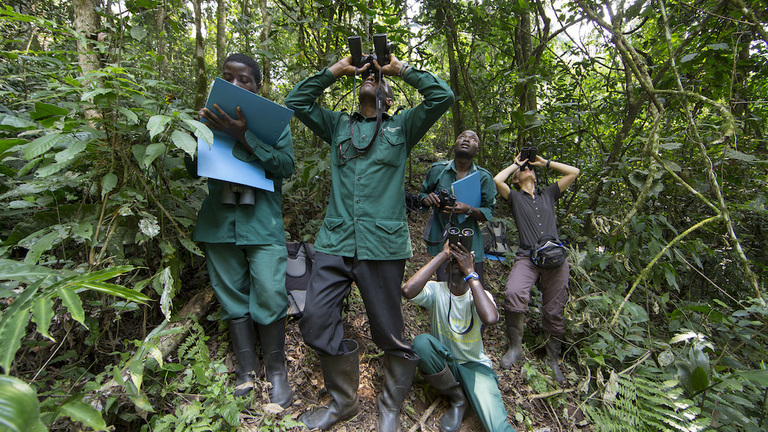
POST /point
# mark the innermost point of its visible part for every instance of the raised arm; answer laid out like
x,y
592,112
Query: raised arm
x,y
569,172
486,309
501,178
416,283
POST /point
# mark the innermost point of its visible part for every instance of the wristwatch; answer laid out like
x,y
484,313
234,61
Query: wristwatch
x,y
472,275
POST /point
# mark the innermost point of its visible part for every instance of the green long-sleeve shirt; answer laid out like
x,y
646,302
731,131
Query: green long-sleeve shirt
x,y
441,175
258,224
366,210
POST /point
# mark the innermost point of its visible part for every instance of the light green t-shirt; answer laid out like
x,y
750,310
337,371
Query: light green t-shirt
x,y
467,347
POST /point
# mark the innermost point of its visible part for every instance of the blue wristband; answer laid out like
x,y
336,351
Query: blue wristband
x,y
472,275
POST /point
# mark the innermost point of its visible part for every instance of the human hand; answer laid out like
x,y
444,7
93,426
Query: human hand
x,y
458,208
540,161
223,122
463,257
391,68
431,200
345,67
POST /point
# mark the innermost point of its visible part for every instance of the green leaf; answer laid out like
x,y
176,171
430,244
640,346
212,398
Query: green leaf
x,y
152,152
84,413
71,152
201,130
43,110
28,273
156,124
191,246
699,379
115,290
139,32
41,245
12,123
19,408
735,154
688,57
129,115
42,313
185,142
108,183
12,330
758,376
73,303
41,145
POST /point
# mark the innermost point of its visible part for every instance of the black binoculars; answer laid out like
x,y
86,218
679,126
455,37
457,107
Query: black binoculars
x,y
528,153
231,191
382,50
462,237
446,198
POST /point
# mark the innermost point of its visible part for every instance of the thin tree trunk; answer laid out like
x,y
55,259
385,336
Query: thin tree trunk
x,y
266,66
202,82
221,34
87,24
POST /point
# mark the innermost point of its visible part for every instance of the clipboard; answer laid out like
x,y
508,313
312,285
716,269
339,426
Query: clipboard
x,y
266,119
468,190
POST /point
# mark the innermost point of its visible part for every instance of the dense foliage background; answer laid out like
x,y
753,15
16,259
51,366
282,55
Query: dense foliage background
x,y
662,104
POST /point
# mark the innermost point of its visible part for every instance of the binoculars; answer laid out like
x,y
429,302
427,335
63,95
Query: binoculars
x,y
528,153
382,50
446,198
231,191
462,237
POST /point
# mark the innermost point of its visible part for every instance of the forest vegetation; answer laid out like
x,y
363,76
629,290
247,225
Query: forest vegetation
x,y
107,320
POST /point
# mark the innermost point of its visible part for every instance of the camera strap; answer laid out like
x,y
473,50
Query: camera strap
x,y
428,229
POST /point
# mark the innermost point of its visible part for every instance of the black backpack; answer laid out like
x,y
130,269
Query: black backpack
x,y
301,255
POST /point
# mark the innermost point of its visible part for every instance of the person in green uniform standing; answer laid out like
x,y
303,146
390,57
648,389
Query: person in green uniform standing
x,y
442,175
364,237
242,231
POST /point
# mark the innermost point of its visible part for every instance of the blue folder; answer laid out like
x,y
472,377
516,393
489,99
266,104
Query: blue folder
x,y
468,191
266,119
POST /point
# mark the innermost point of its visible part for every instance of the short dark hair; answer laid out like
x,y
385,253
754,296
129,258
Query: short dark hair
x,y
248,61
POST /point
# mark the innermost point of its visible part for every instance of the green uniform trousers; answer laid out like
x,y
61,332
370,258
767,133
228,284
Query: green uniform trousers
x,y
479,382
249,280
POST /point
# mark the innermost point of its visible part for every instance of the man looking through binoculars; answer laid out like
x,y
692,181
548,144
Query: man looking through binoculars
x,y
364,237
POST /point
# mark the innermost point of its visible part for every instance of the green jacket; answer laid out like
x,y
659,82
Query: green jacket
x,y
441,175
366,210
261,223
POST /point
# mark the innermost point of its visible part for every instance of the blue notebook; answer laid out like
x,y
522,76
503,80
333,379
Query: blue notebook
x,y
266,119
468,191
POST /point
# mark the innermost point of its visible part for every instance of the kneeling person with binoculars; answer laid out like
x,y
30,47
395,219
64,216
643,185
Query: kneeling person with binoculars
x,y
452,356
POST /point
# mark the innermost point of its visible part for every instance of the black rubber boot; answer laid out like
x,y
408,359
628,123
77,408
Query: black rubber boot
x,y
342,378
446,384
398,377
514,322
273,347
553,347
243,344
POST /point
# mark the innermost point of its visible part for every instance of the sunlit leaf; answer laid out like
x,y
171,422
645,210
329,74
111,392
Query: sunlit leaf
x,y
84,413
156,124
12,329
42,313
108,183
184,141
42,145
73,303
201,130
152,152
19,408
